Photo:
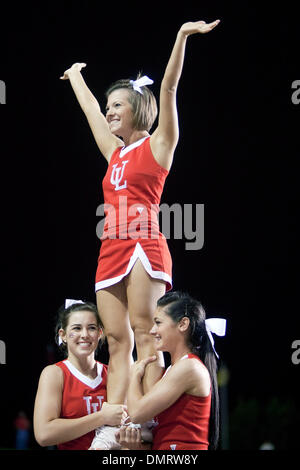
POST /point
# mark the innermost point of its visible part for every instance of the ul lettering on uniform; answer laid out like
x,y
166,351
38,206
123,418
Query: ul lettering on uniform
x,y
93,407
117,176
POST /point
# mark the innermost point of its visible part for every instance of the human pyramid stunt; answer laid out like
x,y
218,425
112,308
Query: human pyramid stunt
x,y
81,403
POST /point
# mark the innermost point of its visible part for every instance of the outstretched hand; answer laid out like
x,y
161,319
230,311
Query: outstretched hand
x,y
194,27
75,67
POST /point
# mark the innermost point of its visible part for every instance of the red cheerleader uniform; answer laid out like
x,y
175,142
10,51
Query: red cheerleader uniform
x,y
132,189
81,396
185,424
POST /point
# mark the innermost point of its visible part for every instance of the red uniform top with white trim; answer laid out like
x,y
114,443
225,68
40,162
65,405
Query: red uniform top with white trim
x,y
133,172
81,396
132,189
185,424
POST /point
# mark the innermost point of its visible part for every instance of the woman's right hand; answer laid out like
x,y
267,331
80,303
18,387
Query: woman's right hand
x,y
139,367
194,27
75,67
113,415
129,438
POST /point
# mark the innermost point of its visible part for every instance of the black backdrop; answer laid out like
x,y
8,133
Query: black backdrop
x,y
237,155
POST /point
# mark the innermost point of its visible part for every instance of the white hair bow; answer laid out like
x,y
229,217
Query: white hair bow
x,y
143,81
68,303
216,326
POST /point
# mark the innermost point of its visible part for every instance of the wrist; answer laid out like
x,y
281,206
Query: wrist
x,y
74,72
138,377
101,421
182,34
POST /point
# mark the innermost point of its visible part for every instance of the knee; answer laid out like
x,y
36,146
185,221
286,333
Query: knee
x,y
120,343
141,330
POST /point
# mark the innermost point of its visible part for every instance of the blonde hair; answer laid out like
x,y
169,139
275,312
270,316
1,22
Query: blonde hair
x,y
144,106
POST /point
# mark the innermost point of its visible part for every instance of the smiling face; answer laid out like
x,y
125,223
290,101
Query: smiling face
x,y
119,113
164,331
82,333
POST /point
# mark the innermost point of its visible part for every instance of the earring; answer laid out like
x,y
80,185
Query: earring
x,y
61,341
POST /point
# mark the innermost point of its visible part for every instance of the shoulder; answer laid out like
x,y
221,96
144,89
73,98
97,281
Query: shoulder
x,y
194,373
162,150
197,367
190,365
52,374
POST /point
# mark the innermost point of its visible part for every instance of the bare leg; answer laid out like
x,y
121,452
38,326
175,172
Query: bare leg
x,y
112,307
142,295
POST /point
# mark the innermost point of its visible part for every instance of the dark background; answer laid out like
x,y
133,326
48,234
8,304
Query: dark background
x,y
237,155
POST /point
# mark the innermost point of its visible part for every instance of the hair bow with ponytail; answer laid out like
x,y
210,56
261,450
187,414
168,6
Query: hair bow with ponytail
x,y
216,326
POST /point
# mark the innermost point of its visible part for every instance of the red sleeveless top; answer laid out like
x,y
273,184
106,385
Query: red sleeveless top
x,y
132,189
185,424
81,396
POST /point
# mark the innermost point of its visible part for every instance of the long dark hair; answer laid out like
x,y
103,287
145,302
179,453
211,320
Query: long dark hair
x,y
63,316
180,305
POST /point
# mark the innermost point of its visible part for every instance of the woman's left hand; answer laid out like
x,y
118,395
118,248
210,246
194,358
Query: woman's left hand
x,y
194,27
138,368
75,68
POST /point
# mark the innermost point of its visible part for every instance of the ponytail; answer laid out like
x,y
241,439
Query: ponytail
x,y
208,357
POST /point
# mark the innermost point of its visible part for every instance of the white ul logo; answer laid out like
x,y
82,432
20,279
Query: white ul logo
x,y
117,175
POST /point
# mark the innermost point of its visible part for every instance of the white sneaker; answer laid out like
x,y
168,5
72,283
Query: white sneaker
x,y
105,439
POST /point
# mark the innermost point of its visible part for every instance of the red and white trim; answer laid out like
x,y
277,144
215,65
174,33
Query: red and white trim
x,y
92,383
137,254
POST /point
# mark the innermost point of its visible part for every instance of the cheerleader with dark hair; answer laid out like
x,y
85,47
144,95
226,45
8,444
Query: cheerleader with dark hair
x,y
184,402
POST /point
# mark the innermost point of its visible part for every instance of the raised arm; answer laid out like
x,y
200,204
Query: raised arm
x,y
164,139
105,140
49,428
